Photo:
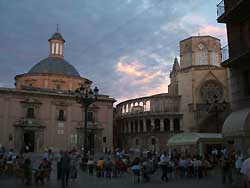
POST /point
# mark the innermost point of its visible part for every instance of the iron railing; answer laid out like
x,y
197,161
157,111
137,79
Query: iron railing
x,y
220,8
225,53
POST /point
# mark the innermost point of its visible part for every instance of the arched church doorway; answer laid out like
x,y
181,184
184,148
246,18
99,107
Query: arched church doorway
x,y
29,140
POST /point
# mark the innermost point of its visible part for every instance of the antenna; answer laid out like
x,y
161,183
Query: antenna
x,y
57,28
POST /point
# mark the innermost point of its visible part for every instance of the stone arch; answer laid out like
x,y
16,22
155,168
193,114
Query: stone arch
x,y
132,126
136,126
201,54
166,125
148,107
148,125
157,124
141,125
176,125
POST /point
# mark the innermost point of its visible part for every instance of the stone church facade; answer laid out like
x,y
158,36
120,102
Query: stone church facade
x,y
42,110
197,100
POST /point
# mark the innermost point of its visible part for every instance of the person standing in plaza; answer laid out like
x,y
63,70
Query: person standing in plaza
x,y
245,170
227,164
65,167
164,160
59,166
73,164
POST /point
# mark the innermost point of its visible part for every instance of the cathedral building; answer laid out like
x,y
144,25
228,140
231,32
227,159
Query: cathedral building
x,y
41,111
197,100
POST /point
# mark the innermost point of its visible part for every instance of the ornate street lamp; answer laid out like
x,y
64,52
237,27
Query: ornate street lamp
x,y
85,97
216,107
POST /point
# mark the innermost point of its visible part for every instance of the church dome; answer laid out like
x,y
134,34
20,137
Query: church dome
x,y
54,65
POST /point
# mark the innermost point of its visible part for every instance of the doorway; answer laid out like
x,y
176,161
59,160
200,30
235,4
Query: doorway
x,y
29,140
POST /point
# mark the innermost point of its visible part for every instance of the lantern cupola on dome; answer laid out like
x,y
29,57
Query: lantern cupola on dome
x,y
56,44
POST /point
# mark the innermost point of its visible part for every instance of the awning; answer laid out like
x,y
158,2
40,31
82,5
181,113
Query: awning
x,y
237,123
193,138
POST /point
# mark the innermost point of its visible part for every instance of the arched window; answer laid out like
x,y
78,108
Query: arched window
x,y
30,113
153,142
132,127
157,125
141,125
176,125
137,142
136,126
61,115
166,125
201,55
148,125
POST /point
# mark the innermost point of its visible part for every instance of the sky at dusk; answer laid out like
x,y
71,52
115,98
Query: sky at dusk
x,y
126,47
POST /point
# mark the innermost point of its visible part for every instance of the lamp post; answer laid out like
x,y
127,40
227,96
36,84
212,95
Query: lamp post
x,y
216,107
85,97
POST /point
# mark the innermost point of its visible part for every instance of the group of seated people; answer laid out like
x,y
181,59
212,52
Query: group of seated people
x,y
106,167
13,164
171,168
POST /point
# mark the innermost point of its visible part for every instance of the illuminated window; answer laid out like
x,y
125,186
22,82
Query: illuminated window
x,y
53,48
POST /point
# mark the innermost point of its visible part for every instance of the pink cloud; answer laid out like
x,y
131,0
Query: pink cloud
x,y
213,30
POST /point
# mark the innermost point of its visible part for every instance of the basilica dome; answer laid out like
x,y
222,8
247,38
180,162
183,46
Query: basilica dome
x,y
54,72
54,65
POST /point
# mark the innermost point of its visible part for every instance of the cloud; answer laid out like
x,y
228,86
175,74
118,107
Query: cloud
x,y
125,47
139,75
213,30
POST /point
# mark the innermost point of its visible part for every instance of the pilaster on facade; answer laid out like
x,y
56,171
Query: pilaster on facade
x,y
129,127
181,125
144,125
161,125
171,124
152,124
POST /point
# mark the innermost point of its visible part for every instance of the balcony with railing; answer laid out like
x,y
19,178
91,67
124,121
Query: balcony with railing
x,y
220,8
233,10
225,53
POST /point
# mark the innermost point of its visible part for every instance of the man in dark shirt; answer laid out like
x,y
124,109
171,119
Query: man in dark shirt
x,y
65,167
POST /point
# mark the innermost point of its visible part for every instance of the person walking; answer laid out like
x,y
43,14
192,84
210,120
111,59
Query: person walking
x,y
65,169
164,160
245,170
227,164
73,164
59,166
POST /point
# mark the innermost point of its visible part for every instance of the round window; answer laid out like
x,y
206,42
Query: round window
x,y
210,89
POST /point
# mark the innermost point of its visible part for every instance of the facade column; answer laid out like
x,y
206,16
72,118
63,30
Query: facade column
x,y
171,124
161,125
129,126
138,125
181,124
124,126
133,126
129,108
152,124
144,125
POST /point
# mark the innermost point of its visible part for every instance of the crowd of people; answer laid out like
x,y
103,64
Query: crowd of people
x,y
142,168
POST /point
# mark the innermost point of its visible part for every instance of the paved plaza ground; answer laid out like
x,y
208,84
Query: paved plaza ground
x,y
85,180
